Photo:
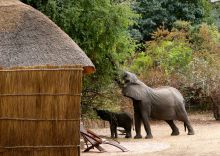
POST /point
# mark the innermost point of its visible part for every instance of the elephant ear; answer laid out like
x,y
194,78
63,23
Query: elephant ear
x,y
134,91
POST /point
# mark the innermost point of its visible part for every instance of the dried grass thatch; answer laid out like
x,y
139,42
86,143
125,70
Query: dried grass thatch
x,y
40,111
29,38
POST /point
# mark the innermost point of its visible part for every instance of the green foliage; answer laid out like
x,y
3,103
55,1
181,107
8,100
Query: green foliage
x,y
187,57
39,4
165,12
173,56
205,66
100,28
180,48
182,25
186,49
107,99
215,13
170,51
178,57
141,63
205,38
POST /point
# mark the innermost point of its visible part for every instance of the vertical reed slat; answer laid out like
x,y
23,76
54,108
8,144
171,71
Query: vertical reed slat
x,y
40,107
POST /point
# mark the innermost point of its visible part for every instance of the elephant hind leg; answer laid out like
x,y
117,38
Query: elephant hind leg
x,y
175,130
187,124
189,127
184,118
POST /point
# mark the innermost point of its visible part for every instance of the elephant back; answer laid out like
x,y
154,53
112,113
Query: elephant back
x,y
169,93
171,89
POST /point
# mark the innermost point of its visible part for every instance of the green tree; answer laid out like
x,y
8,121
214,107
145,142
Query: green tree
x,y
100,28
156,13
216,13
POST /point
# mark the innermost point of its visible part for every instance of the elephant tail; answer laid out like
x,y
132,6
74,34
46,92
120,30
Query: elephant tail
x,y
185,126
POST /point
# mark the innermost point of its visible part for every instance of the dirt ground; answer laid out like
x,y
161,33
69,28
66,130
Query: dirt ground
x,y
205,142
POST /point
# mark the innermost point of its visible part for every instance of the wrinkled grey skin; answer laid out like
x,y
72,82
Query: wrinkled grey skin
x,y
164,103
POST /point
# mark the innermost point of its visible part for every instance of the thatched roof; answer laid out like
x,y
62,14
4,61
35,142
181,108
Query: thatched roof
x,y
29,38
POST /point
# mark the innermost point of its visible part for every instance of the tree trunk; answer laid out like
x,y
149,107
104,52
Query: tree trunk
x,y
216,105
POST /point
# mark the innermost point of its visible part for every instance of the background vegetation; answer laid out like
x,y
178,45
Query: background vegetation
x,y
165,42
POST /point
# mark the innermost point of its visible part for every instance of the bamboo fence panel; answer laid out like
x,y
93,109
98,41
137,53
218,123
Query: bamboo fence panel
x,y
40,111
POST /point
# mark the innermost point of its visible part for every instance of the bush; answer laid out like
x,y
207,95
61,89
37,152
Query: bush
x,y
185,57
141,63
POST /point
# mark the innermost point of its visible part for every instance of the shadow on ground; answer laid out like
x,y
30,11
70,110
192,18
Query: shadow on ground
x,y
206,141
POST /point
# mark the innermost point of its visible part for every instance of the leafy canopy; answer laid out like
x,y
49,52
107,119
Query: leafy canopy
x,y
156,13
100,28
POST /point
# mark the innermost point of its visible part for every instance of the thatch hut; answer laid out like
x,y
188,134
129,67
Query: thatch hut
x,y
40,84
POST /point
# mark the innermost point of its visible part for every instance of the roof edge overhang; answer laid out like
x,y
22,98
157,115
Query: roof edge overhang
x,y
89,69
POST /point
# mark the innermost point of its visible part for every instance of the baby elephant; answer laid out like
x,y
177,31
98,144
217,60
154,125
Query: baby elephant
x,y
119,119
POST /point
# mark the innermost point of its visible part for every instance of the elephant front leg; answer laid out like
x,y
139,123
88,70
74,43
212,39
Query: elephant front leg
x,y
137,118
113,129
145,118
137,121
147,129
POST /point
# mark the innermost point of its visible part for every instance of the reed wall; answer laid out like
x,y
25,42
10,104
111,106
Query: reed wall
x,y
40,111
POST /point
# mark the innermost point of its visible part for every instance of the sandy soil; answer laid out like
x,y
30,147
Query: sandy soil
x,y
206,141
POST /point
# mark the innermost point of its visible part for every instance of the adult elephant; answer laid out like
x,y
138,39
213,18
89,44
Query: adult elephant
x,y
165,103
